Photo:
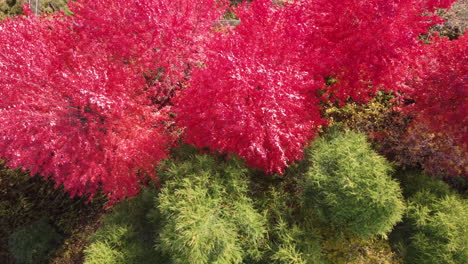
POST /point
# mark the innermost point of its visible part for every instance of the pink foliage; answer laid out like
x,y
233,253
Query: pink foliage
x,y
258,94
87,99
83,99
440,88
251,98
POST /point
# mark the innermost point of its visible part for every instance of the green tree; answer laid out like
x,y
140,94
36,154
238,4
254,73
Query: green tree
x,y
350,187
207,214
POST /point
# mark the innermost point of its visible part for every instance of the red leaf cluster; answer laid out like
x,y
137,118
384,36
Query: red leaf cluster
x,y
252,98
440,88
83,99
258,94
364,45
87,99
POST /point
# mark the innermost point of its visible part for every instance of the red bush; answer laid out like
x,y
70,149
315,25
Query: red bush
x,y
258,94
83,99
440,90
365,45
86,99
251,98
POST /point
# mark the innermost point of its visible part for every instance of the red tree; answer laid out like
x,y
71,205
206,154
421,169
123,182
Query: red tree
x,y
84,99
364,45
252,98
258,94
440,90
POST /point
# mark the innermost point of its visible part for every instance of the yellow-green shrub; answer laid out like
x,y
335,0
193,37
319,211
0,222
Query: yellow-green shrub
x,y
350,187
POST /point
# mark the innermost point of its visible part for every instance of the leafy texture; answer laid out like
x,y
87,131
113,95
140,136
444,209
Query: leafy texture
x,y
349,184
88,99
126,234
293,237
206,213
261,99
407,141
440,92
30,244
251,97
83,98
440,229
435,227
365,45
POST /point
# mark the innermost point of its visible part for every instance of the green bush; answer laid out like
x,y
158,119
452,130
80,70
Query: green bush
x,y
414,181
440,229
206,212
435,229
293,238
202,214
126,235
25,199
350,187
32,243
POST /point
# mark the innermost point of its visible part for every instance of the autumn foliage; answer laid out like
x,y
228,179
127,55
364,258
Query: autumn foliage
x,y
89,99
82,98
440,90
258,94
251,97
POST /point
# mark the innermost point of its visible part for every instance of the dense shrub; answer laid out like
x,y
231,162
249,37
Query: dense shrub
x,y
83,98
207,216
434,228
253,98
400,137
292,238
30,244
126,236
414,181
350,186
440,229
25,199
202,214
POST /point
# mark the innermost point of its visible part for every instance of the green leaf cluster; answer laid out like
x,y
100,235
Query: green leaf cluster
x,y
127,234
292,237
350,187
31,243
435,229
207,214
202,214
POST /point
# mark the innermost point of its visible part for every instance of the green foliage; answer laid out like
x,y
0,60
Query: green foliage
x,y
30,244
350,187
126,235
291,239
13,7
440,229
413,181
350,249
207,214
298,244
25,199
435,229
